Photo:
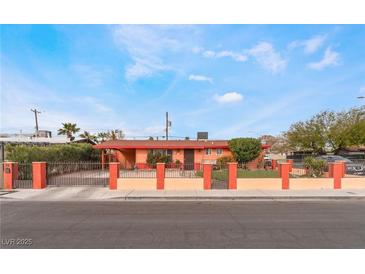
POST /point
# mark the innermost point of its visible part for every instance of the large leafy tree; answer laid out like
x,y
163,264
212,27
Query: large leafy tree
x,y
245,149
68,129
329,131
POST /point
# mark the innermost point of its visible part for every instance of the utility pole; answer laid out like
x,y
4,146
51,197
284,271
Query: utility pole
x,y
36,112
168,124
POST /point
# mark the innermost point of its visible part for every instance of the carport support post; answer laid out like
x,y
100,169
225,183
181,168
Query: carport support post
x,y
337,174
273,164
290,161
113,174
160,174
284,173
39,175
232,175
330,170
207,175
10,174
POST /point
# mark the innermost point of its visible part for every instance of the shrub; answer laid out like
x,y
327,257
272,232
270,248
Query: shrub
x,y
53,153
221,161
315,167
157,157
245,149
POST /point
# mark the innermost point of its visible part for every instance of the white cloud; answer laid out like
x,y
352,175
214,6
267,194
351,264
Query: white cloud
x,y
362,91
194,77
229,97
268,58
310,45
92,76
330,58
147,45
221,54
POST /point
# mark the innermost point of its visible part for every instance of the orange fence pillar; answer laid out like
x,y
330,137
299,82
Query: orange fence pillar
x,y
232,175
10,174
160,174
337,174
284,174
343,168
207,176
113,174
274,164
290,161
39,175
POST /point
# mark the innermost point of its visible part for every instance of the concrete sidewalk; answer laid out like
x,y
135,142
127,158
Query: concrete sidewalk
x,y
104,194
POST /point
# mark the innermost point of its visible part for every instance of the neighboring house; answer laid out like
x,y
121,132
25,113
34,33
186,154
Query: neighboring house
x,y
133,153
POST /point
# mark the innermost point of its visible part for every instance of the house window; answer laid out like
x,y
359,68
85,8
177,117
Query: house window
x,y
219,151
208,151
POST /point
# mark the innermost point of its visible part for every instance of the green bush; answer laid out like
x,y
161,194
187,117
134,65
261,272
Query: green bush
x,y
245,149
53,153
157,157
222,161
315,167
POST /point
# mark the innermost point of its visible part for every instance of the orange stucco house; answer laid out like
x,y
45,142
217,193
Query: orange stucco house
x,y
133,153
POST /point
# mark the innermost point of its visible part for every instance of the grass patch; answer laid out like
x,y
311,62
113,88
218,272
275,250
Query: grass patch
x,y
222,175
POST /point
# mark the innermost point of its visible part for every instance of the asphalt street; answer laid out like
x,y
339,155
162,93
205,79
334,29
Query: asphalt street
x,y
172,224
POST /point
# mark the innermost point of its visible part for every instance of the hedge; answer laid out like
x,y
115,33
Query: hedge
x,y
53,153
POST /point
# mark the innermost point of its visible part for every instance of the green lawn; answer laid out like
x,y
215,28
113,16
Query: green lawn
x,y
242,173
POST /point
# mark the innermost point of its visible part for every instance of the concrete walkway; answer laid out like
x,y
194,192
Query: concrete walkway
x,y
104,194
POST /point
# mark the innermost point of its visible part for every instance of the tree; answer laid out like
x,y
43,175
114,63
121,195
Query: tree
x,y
68,129
329,131
278,144
88,136
245,149
111,135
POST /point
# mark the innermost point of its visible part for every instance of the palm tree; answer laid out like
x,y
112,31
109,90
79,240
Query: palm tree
x,y
102,136
68,129
111,135
89,136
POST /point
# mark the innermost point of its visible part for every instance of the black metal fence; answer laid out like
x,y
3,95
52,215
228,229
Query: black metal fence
x,y
77,174
24,178
183,170
146,172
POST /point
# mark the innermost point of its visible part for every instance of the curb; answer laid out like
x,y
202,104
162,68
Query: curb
x,y
238,198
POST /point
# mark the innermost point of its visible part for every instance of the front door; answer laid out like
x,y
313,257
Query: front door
x,y
189,158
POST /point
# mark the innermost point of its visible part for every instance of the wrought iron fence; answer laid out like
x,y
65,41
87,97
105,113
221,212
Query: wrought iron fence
x,y
182,170
355,168
78,174
144,172
24,178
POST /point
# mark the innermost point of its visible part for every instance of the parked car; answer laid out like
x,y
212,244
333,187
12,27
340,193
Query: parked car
x,y
356,168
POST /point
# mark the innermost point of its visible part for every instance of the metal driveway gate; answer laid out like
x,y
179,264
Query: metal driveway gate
x,y
24,179
220,176
77,174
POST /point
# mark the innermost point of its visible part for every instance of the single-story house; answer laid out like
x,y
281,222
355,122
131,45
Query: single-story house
x,y
133,153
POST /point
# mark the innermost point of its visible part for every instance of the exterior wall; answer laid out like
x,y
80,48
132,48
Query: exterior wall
x,y
184,184
126,158
136,183
311,183
178,154
353,182
198,155
141,158
213,156
259,183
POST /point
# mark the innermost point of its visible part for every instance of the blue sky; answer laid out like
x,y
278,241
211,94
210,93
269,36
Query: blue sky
x,y
229,80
